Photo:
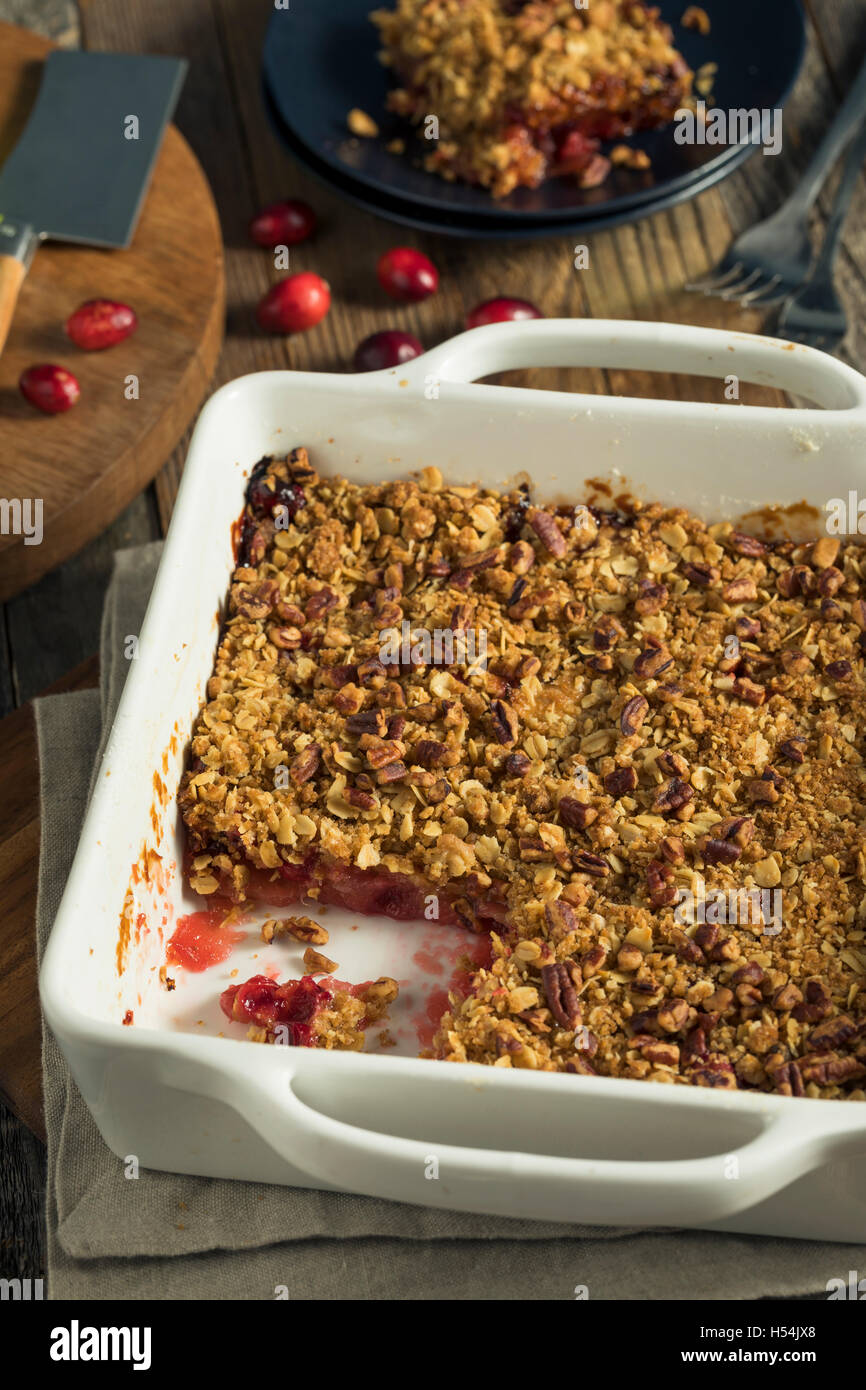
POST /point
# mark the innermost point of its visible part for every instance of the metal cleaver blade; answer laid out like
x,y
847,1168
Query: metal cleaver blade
x,y
81,169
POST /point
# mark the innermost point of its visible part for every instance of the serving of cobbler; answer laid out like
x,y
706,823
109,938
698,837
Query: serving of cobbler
x,y
648,795
523,90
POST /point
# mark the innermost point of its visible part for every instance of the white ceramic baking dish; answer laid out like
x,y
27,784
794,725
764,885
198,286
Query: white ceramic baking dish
x,y
512,1142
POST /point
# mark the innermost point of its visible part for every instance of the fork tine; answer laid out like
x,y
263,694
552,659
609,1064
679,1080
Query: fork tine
x,y
769,302
757,296
713,283
737,291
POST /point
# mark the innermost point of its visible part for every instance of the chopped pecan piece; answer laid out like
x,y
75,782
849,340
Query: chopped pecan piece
x,y
672,763
833,1033
545,527
370,721
794,749
703,575
828,1069
717,1074
661,1054
305,765
576,814
673,1015
748,691
721,852
317,964
504,721
607,633
561,919
392,772
817,1001
428,752
795,663
839,670
739,829
592,961
661,887
761,789
301,928
620,782
521,557
587,863
381,752
673,795
786,997
652,661
830,581
517,765
561,983
633,715
742,590
746,545
651,598
788,1079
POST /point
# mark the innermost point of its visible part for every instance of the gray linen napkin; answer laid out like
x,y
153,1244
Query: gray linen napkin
x,y
169,1236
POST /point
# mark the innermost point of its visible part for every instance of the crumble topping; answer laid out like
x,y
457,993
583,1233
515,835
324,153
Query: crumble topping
x,y
667,713
526,88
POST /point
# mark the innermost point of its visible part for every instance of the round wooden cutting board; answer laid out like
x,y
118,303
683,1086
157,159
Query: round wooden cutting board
x,y
89,463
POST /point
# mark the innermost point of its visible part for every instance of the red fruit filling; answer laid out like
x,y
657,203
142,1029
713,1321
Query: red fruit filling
x,y
293,1005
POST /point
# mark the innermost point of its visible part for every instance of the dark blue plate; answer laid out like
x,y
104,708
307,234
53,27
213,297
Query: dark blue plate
x,y
320,60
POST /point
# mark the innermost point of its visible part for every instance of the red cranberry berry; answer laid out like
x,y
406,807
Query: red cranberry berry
x,y
390,348
295,304
501,310
407,274
100,323
283,224
51,389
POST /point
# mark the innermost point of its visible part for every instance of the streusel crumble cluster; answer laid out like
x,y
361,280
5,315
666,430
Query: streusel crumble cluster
x,y
522,89
666,710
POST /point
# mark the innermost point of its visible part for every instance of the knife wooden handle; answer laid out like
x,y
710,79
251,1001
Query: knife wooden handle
x,y
12,272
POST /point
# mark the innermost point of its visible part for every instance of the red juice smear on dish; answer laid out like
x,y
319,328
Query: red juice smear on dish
x,y
460,960
201,940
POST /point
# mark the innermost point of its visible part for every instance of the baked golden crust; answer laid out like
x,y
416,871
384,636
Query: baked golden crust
x,y
665,708
522,90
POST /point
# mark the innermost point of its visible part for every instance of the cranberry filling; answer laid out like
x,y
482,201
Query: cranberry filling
x,y
293,1005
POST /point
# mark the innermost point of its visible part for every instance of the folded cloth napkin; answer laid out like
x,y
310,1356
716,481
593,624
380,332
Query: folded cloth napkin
x,y
168,1236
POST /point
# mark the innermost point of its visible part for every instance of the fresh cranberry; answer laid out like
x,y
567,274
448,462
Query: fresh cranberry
x,y
283,224
100,323
295,304
502,310
389,348
49,388
407,274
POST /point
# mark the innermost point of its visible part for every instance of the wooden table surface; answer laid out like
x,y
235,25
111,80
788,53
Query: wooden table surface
x,y
634,272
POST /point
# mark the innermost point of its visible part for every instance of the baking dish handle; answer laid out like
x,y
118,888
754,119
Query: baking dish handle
x,y
691,1191
643,346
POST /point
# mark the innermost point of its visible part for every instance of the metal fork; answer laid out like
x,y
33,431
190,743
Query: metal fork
x,y
814,313
769,261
